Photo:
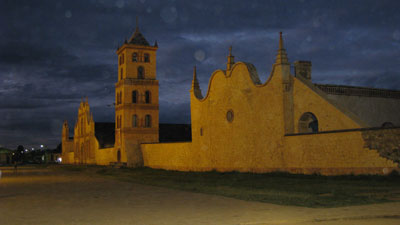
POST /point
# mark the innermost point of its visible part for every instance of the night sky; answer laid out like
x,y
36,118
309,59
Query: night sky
x,y
53,53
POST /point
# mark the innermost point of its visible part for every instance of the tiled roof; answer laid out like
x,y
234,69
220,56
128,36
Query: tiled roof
x,y
138,39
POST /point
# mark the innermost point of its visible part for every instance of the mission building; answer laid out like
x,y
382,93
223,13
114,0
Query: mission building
x,y
286,124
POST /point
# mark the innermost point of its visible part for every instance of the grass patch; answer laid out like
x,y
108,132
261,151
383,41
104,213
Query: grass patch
x,y
277,188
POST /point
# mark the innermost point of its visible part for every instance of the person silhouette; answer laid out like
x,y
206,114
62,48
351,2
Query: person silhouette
x,y
15,167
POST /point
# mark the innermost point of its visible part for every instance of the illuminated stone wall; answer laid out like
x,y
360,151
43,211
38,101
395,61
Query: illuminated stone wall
x,y
67,158
333,154
105,156
171,156
251,138
261,133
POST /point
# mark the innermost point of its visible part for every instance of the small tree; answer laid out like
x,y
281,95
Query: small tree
x,y
19,154
58,149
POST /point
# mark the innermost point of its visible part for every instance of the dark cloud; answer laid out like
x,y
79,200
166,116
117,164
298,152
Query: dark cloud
x,y
28,54
53,53
174,112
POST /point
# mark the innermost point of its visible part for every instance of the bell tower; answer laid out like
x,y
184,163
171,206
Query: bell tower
x,y
136,99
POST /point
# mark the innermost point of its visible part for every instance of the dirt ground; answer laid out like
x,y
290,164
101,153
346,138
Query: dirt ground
x,y
43,196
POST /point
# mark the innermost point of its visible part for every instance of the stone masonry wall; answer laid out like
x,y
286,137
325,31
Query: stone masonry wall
x,y
385,141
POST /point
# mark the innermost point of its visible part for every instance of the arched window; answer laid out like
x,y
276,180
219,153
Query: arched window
x,y
134,96
119,100
146,57
123,58
140,72
147,121
122,72
118,121
134,57
308,123
148,99
134,121
229,115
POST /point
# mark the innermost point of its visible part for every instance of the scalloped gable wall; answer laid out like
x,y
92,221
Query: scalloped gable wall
x,y
255,140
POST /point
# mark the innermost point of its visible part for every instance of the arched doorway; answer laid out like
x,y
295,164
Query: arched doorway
x,y
119,156
387,125
308,123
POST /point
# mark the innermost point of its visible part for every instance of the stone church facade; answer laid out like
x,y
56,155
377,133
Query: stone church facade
x,y
286,124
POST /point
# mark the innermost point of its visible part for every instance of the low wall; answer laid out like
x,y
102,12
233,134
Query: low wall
x,y
329,153
67,154
334,153
169,156
104,156
67,158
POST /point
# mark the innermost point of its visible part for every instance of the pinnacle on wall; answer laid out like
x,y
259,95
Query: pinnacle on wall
x,y
281,57
195,84
231,59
